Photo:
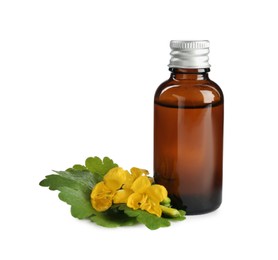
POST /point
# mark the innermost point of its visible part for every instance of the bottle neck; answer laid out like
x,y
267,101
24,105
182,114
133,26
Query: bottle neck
x,y
189,74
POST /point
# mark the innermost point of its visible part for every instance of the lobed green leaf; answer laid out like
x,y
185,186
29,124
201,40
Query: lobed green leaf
x,y
80,203
99,167
149,220
75,188
112,219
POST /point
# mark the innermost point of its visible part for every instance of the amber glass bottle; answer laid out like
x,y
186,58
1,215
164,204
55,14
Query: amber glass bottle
x,y
188,130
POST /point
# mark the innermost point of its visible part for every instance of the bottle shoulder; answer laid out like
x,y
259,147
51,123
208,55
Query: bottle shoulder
x,y
189,93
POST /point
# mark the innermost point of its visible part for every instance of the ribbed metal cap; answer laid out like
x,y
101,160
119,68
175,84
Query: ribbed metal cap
x,y
189,54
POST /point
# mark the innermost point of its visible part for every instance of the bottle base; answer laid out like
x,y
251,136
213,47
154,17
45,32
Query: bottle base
x,y
201,212
196,205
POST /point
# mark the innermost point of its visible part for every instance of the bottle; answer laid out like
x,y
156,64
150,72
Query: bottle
x,y
188,131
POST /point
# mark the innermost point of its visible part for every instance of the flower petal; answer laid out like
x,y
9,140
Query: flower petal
x,y
141,184
157,192
115,178
100,189
101,204
135,200
152,206
121,196
137,172
129,181
101,197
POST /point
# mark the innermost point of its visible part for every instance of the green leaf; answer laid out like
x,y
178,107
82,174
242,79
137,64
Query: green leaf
x,y
84,178
55,182
79,167
75,188
112,219
80,203
149,220
99,167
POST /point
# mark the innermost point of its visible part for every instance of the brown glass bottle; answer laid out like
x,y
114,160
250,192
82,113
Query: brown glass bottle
x,y
188,139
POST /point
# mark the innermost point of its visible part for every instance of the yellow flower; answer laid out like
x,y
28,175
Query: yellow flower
x,y
122,195
108,190
146,196
135,189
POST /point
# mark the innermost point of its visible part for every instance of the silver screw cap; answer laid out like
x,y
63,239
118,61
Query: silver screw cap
x,y
189,54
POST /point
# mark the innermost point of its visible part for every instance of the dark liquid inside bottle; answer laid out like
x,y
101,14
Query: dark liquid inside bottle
x,y
188,144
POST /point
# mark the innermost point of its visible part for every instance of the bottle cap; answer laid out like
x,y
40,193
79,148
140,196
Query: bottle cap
x,y
189,54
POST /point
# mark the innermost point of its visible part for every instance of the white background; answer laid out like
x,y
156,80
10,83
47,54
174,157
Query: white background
x,y
77,79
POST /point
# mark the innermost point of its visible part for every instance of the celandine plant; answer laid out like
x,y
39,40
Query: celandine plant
x,y
111,196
